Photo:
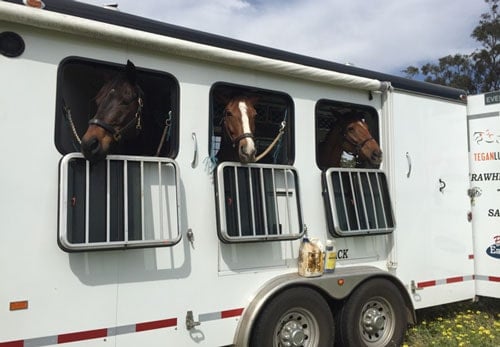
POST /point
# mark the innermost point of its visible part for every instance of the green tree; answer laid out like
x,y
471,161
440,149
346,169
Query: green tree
x,y
477,72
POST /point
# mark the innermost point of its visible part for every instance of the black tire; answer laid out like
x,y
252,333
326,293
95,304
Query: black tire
x,y
373,316
296,317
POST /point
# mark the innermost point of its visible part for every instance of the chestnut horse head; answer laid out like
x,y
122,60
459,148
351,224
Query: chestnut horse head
x,y
238,124
118,115
350,134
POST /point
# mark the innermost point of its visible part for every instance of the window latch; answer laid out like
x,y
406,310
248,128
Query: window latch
x,y
190,323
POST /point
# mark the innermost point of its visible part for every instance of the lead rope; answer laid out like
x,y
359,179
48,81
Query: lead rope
x,y
275,141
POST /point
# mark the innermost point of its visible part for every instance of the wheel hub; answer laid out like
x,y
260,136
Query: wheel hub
x,y
373,321
292,334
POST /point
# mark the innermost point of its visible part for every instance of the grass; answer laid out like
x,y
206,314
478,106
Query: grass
x,y
460,324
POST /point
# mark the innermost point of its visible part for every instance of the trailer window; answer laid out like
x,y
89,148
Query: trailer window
x,y
356,195
273,108
121,202
79,80
257,202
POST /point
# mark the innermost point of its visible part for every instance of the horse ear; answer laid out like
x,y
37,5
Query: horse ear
x,y
131,72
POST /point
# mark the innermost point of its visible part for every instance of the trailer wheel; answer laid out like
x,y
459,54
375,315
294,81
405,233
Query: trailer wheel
x,y
296,317
373,316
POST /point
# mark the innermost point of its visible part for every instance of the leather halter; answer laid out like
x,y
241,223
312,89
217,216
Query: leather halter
x,y
117,133
357,146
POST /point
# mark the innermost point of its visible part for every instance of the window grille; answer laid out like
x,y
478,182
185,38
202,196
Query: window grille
x,y
257,202
124,201
358,202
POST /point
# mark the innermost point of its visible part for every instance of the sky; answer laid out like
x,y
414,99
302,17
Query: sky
x,y
380,35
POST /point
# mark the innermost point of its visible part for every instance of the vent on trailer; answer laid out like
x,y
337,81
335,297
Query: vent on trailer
x,y
123,201
357,202
258,202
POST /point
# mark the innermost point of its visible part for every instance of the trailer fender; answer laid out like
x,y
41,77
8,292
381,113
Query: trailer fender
x,y
337,286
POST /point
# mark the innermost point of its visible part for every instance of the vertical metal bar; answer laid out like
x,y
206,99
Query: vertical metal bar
x,y
368,174
125,201
237,199
160,193
354,199
142,200
275,200
263,200
342,193
252,210
287,199
108,199
87,199
362,192
382,201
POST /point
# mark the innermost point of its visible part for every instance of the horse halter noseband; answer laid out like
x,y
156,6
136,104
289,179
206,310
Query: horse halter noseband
x,y
237,139
117,134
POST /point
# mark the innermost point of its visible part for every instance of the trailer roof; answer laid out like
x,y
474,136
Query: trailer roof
x,y
104,15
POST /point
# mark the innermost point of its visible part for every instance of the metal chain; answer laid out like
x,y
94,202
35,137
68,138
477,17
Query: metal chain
x,y
67,112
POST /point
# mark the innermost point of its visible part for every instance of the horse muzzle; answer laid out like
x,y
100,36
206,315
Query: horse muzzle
x,y
247,151
376,157
92,149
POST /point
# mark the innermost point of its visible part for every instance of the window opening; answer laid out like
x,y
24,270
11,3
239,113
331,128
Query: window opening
x,y
80,79
347,135
120,202
272,109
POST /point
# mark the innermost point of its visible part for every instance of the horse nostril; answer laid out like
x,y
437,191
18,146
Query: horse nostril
x,y
93,145
377,156
91,148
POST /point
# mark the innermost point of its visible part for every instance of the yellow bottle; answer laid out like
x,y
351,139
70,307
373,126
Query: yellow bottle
x,y
330,256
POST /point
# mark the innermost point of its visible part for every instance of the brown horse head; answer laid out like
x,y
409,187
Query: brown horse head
x,y
358,141
239,127
118,115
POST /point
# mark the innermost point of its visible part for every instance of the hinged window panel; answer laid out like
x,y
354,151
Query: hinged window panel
x,y
357,202
258,202
123,201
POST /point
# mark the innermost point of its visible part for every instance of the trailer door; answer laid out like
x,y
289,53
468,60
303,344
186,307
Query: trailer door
x,y
433,234
484,157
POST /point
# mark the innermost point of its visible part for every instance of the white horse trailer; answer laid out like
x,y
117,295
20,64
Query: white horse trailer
x,y
154,250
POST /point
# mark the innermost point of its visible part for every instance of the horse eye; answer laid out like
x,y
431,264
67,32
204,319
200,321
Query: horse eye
x,y
350,128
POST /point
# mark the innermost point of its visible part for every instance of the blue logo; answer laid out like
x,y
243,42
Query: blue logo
x,y
494,249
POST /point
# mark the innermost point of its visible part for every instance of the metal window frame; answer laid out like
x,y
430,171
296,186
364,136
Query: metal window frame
x,y
64,205
288,189
363,203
